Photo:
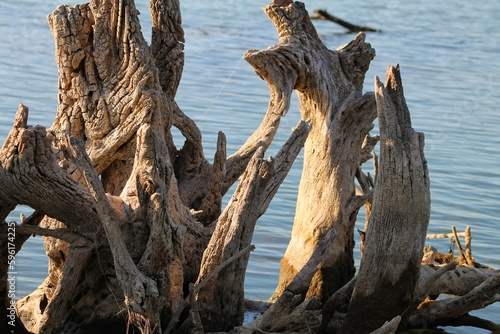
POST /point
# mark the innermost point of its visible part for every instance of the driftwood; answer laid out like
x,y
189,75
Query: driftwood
x,y
291,311
396,218
195,289
388,327
439,312
135,231
321,14
329,88
221,302
468,284
465,255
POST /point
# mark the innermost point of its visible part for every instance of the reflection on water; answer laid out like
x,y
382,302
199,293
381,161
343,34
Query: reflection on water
x,y
449,61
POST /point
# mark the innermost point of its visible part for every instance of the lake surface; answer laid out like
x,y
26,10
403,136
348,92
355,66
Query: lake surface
x,y
449,53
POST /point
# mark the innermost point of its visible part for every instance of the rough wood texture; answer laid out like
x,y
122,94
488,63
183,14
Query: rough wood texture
x,y
131,222
437,311
456,281
125,208
41,178
328,84
389,327
39,167
397,228
221,302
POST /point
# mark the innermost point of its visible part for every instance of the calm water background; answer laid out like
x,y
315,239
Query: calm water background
x,y
449,56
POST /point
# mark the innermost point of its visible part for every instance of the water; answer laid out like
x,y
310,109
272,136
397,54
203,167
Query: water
x,y
448,55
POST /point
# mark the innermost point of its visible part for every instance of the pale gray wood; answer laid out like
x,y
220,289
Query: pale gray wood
x,y
328,84
132,221
221,301
390,265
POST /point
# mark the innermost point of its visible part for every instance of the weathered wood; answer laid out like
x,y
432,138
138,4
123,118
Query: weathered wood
x,y
324,15
445,235
195,289
328,84
34,175
389,327
341,297
429,275
461,284
390,265
167,43
111,83
95,63
463,320
55,315
35,171
480,296
27,230
465,255
233,232
221,302
457,281
211,205
100,50
291,312
128,215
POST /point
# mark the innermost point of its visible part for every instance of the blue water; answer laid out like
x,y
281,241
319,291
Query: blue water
x,y
449,58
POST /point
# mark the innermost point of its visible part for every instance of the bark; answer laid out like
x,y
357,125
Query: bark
x,y
438,311
390,266
328,84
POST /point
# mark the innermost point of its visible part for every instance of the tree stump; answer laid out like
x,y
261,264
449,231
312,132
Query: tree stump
x,y
390,266
329,87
